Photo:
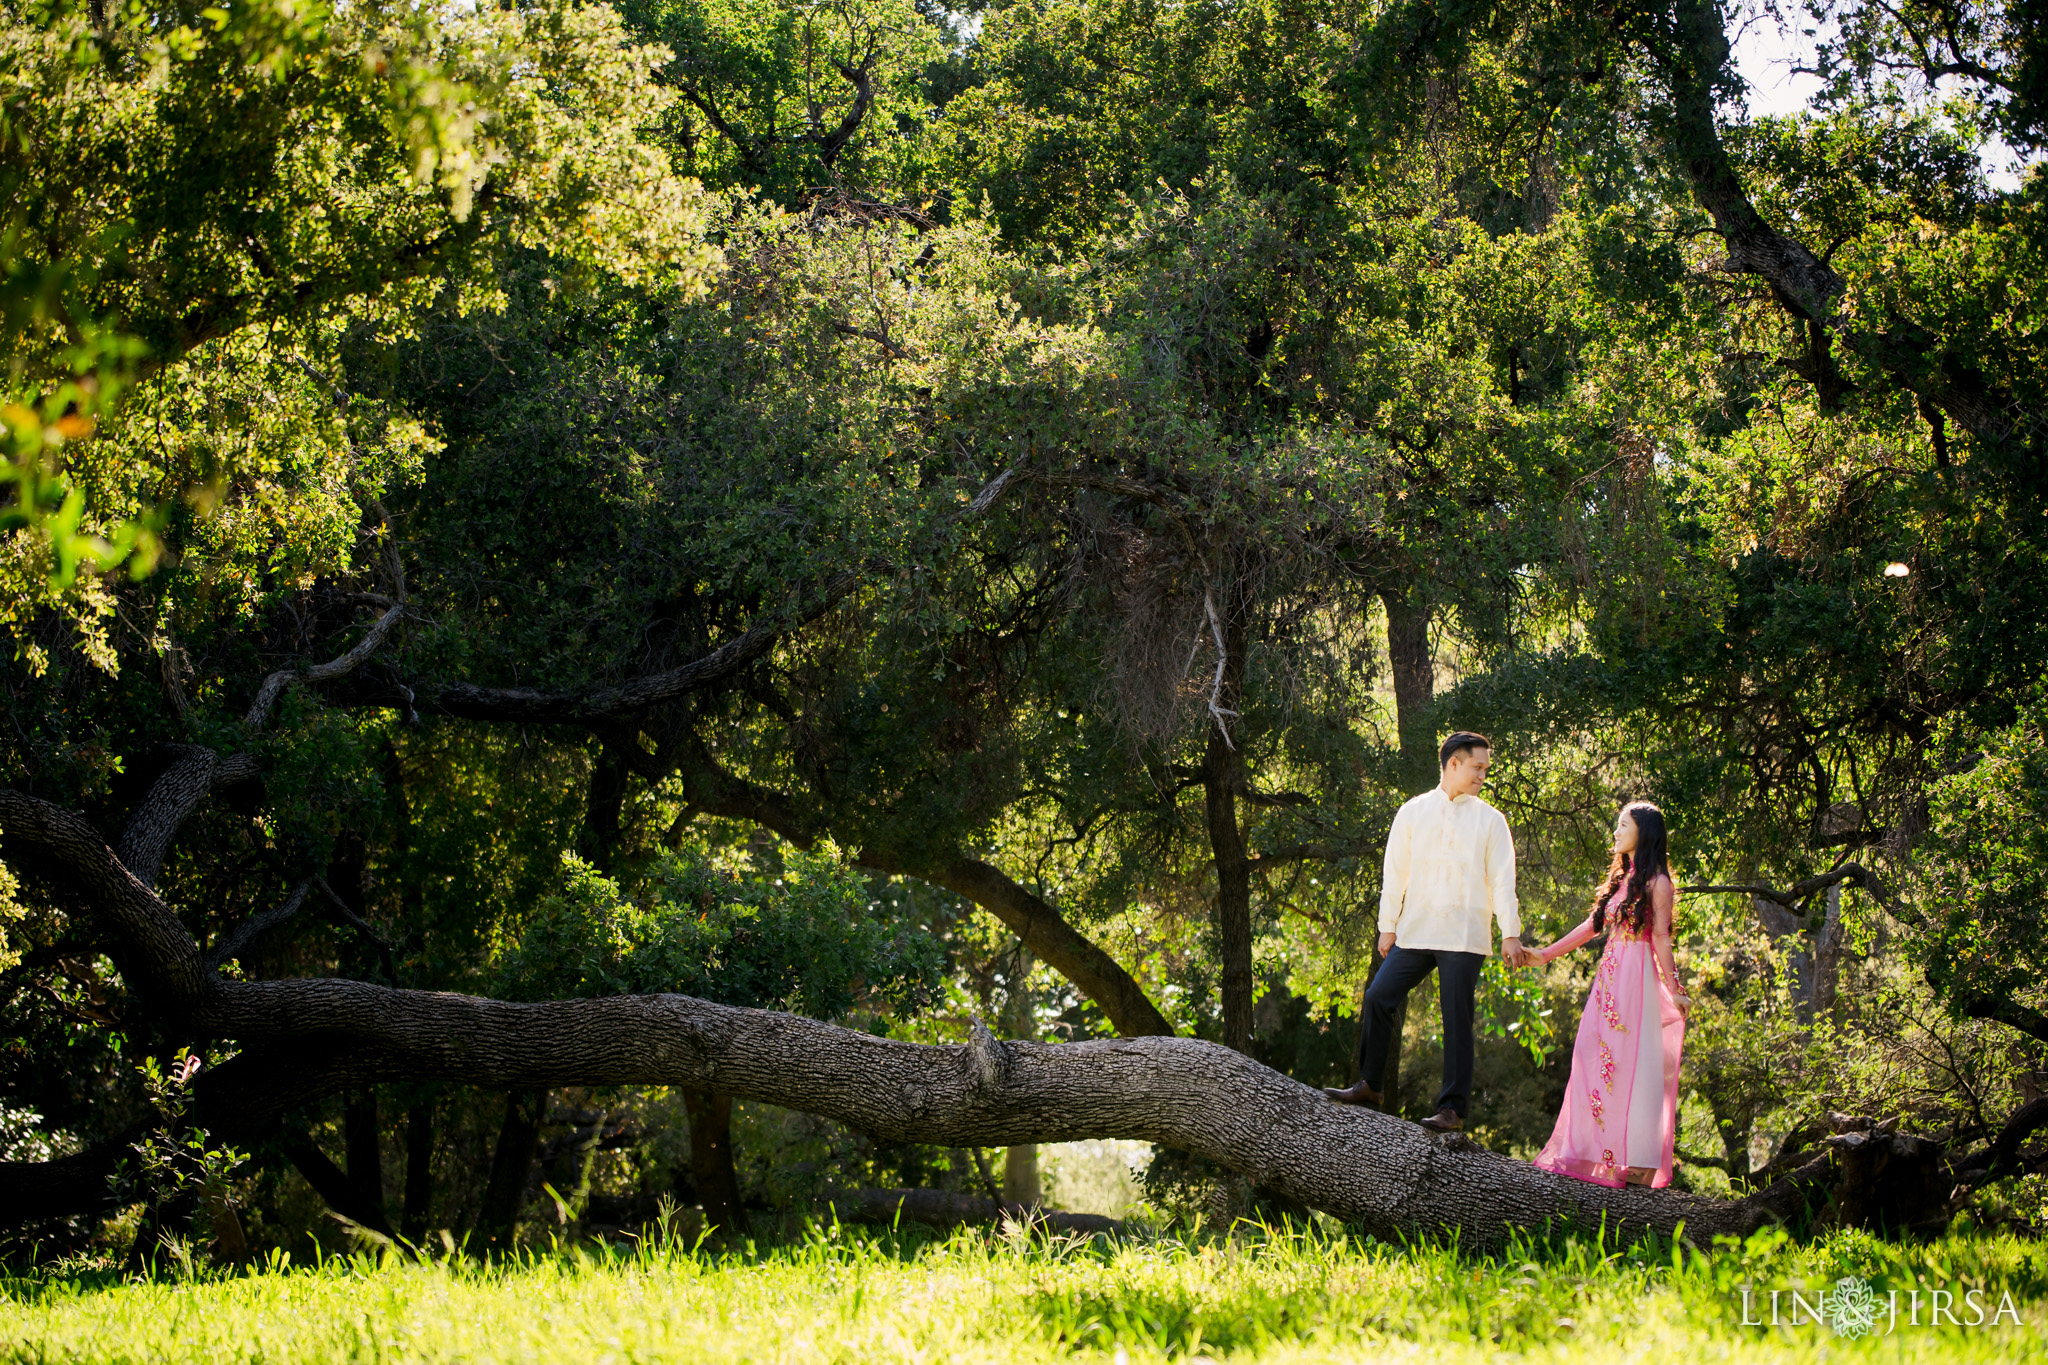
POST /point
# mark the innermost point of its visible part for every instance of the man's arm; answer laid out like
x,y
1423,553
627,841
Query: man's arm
x,y
1394,878
1500,887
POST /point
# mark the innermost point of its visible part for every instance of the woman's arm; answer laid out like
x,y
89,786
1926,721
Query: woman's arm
x,y
1663,902
1577,938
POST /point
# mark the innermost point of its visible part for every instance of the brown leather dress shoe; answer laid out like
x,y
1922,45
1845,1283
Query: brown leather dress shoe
x,y
1444,1121
1360,1093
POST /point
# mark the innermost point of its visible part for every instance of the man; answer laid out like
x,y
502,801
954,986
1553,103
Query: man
x,y
1450,868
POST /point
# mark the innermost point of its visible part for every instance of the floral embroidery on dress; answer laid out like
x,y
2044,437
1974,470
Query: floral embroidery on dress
x,y
1607,1155
1597,1104
1606,1065
1610,1003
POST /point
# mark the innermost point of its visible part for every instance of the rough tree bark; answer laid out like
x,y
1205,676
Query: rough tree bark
x,y
1390,1176
193,773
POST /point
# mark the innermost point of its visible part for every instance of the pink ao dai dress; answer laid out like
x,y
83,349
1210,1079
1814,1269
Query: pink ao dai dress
x,y
1621,1107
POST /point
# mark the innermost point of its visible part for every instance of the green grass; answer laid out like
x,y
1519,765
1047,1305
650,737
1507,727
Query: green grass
x,y
847,1296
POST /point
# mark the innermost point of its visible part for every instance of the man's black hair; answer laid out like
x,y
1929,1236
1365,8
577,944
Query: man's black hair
x,y
1458,742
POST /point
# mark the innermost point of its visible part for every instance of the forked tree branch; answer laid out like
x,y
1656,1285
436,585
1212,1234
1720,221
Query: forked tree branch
x,y
236,941
710,790
338,667
193,773
469,701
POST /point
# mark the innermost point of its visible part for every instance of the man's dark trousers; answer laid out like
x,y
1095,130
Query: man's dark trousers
x,y
1401,971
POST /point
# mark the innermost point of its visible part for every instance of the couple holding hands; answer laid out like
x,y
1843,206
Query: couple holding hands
x,y
1450,868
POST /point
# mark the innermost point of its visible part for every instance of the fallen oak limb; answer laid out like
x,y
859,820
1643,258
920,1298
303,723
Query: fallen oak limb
x,y
1391,1177
306,1037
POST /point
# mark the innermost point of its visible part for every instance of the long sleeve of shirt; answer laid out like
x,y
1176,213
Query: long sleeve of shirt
x,y
1449,870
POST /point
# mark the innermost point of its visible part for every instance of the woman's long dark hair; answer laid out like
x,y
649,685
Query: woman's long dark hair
x,y
1649,862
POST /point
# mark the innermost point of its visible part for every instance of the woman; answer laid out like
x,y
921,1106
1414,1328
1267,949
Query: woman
x,y
1619,1119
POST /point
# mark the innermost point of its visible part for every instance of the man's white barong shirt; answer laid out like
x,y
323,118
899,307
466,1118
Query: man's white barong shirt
x,y
1450,868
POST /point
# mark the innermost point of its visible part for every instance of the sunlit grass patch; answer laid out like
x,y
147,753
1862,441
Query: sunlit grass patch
x,y
843,1295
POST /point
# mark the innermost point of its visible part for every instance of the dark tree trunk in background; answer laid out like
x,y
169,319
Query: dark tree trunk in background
x,y
364,1151
419,1170
604,817
1223,772
1827,956
1223,780
333,1184
511,1164
711,1166
1414,670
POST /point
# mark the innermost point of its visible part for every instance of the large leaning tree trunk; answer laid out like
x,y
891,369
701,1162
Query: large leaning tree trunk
x,y
1688,44
306,1038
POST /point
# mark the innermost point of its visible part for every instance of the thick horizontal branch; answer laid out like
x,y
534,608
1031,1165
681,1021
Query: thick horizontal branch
x,y
1800,892
2003,1009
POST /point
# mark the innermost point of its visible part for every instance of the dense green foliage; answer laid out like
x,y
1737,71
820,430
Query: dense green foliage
x,y
1144,430
800,941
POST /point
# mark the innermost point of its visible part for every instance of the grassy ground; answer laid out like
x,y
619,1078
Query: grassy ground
x,y
843,1296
